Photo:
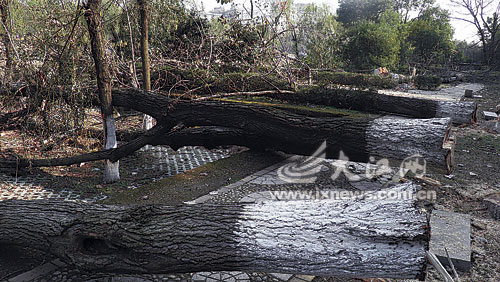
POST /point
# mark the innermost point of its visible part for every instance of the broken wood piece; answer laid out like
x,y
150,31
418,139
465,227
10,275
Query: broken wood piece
x,y
427,180
450,262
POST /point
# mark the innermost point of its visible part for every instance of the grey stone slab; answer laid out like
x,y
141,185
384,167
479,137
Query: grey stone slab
x,y
451,231
489,115
225,276
257,197
302,278
282,276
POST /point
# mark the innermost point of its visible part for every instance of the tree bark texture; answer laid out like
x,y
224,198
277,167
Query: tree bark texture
x,y
266,126
97,42
146,69
355,238
357,135
372,102
299,131
6,29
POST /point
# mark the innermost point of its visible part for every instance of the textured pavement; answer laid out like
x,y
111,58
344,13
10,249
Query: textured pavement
x,y
169,162
454,93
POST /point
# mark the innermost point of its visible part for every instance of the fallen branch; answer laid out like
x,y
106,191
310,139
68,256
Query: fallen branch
x,y
113,154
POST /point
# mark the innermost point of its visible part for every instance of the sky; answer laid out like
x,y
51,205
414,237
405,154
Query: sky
x,y
463,30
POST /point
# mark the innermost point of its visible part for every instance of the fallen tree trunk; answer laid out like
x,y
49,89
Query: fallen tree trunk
x,y
297,130
373,102
8,119
463,112
301,130
356,238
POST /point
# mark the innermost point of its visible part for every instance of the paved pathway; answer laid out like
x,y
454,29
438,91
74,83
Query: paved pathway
x,y
454,93
37,186
333,175
186,158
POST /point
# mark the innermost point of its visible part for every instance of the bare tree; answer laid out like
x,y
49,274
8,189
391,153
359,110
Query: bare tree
x,y
6,30
146,72
488,27
94,23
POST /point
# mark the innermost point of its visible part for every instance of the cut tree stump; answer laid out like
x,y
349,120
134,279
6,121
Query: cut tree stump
x,y
354,238
373,102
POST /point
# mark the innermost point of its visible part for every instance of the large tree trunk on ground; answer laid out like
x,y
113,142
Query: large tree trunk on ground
x,y
94,22
356,238
293,130
279,127
357,135
372,102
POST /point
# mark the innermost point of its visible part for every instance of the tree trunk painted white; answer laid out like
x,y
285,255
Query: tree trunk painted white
x,y
147,122
146,68
104,80
111,170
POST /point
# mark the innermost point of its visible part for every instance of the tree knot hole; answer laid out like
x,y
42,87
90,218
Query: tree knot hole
x,y
98,246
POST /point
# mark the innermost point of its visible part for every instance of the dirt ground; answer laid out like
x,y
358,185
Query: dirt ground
x,y
476,175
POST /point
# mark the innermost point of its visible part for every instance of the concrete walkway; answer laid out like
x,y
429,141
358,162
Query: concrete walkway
x,y
454,93
164,159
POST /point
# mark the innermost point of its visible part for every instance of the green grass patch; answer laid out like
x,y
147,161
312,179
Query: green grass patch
x,y
197,182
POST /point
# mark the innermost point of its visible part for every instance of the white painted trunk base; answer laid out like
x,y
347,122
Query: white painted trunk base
x,y
147,122
111,170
